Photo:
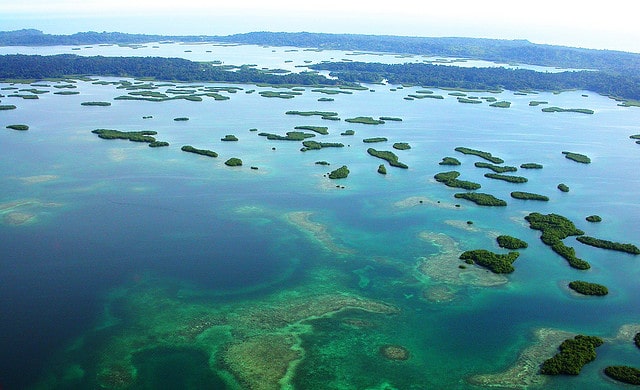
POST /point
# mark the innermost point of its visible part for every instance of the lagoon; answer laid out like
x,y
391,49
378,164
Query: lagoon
x,y
120,260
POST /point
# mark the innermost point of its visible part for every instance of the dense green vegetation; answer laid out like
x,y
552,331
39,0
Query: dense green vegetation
x,y
563,187
390,157
593,218
18,127
534,103
401,146
554,229
577,157
496,263
374,140
508,178
626,374
481,199
636,339
291,136
233,162
339,173
367,120
181,119
348,132
390,118
496,168
531,166
449,161
509,242
204,152
558,109
529,196
314,145
322,114
59,66
318,129
587,288
4,107
574,354
606,244
450,179
229,137
103,104
479,153
158,144
468,100
382,169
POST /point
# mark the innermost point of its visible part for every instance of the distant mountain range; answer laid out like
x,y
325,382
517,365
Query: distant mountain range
x,y
497,50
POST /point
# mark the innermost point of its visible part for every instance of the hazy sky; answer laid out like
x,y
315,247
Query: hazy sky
x,y
565,22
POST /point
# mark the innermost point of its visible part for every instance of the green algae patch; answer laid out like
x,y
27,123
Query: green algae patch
x,y
496,263
574,354
577,157
588,288
367,120
388,156
481,199
18,127
340,173
486,155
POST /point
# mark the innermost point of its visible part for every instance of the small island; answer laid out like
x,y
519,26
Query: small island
x,y
495,168
181,119
330,115
611,245
390,157
233,162
507,178
102,104
367,120
577,157
625,374
203,152
18,127
449,161
496,263
509,242
229,137
450,179
531,166
382,169
401,146
486,155
554,229
529,196
318,129
290,136
481,199
5,107
501,104
574,354
374,140
348,132
558,109
563,187
636,339
339,173
587,288
594,218
390,118
314,145
134,136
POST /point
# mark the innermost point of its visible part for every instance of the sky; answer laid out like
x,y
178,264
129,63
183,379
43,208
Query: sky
x,y
588,24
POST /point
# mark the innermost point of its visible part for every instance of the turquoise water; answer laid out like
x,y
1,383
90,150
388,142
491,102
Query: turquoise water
x,y
130,259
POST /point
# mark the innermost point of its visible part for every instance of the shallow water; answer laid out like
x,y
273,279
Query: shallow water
x,y
119,260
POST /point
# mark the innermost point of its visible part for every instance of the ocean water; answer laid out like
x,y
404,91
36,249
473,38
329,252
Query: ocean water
x,y
125,266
